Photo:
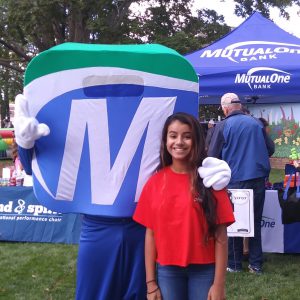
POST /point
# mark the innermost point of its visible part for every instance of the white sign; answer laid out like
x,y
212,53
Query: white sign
x,y
242,200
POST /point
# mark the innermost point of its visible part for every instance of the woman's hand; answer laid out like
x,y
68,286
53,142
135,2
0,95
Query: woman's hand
x,y
153,291
216,292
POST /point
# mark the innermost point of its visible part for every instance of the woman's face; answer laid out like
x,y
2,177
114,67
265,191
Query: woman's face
x,y
179,141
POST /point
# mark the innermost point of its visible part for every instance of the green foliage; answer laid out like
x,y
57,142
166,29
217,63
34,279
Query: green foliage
x,y
245,8
47,271
10,79
175,26
207,112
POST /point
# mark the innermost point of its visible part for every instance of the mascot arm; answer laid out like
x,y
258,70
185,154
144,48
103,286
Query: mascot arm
x,y
25,156
27,129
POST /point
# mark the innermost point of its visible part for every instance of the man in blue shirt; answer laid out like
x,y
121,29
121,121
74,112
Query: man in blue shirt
x,y
240,140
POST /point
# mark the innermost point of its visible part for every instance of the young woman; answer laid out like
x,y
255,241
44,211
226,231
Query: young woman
x,y
186,237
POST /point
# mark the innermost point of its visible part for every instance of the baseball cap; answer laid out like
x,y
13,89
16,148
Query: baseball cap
x,y
229,98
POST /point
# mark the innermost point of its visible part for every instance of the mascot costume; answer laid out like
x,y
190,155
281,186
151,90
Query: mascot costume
x,y
88,126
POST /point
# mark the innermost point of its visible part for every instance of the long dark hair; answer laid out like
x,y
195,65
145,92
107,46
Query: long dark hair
x,y
197,155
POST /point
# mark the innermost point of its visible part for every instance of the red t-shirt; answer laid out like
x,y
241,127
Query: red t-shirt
x,y
178,222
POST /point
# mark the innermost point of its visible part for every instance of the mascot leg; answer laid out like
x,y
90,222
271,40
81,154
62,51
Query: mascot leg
x,y
110,261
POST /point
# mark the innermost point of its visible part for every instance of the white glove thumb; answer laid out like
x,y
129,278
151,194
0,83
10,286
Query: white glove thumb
x,y
27,129
42,130
215,173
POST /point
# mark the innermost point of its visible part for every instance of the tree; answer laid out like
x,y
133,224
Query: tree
x,y
31,26
245,8
172,24
28,27
10,84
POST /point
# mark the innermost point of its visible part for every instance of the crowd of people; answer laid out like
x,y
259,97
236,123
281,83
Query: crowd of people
x,y
175,246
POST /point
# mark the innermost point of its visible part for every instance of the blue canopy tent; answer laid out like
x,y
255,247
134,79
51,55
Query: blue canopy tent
x,y
258,60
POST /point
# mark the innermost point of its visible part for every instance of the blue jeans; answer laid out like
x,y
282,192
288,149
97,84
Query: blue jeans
x,y
185,283
235,244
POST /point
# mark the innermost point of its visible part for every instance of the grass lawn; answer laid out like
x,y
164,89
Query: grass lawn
x,y
35,271
276,175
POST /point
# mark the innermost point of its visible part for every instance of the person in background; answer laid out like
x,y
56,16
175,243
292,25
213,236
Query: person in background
x,y
21,177
209,133
186,223
269,142
7,123
15,157
245,110
240,140
271,149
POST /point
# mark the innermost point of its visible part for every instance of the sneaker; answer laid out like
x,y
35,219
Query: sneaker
x,y
230,270
254,270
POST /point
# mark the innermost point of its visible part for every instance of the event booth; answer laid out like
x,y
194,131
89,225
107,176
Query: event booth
x,y
258,60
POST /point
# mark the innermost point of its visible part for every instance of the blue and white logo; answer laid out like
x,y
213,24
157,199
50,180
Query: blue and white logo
x,y
263,78
104,141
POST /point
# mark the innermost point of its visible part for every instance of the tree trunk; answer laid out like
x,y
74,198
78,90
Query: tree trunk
x,y
5,100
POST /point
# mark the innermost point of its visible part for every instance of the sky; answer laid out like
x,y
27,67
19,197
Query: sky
x,y
226,8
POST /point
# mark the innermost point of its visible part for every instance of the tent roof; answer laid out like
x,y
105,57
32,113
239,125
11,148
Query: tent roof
x,y
258,60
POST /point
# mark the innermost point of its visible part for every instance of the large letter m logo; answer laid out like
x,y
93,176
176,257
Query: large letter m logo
x,y
91,115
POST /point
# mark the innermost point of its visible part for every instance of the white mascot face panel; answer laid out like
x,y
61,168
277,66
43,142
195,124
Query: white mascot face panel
x,y
105,107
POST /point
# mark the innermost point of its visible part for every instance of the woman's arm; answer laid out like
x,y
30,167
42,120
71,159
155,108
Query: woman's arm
x,y
153,291
217,290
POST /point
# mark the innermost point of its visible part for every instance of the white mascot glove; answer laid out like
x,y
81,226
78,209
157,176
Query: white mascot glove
x,y
215,173
27,129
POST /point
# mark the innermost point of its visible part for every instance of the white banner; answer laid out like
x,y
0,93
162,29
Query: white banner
x,y
272,230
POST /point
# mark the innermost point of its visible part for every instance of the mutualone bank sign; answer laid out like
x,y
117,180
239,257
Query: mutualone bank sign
x,y
252,51
255,81
258,59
